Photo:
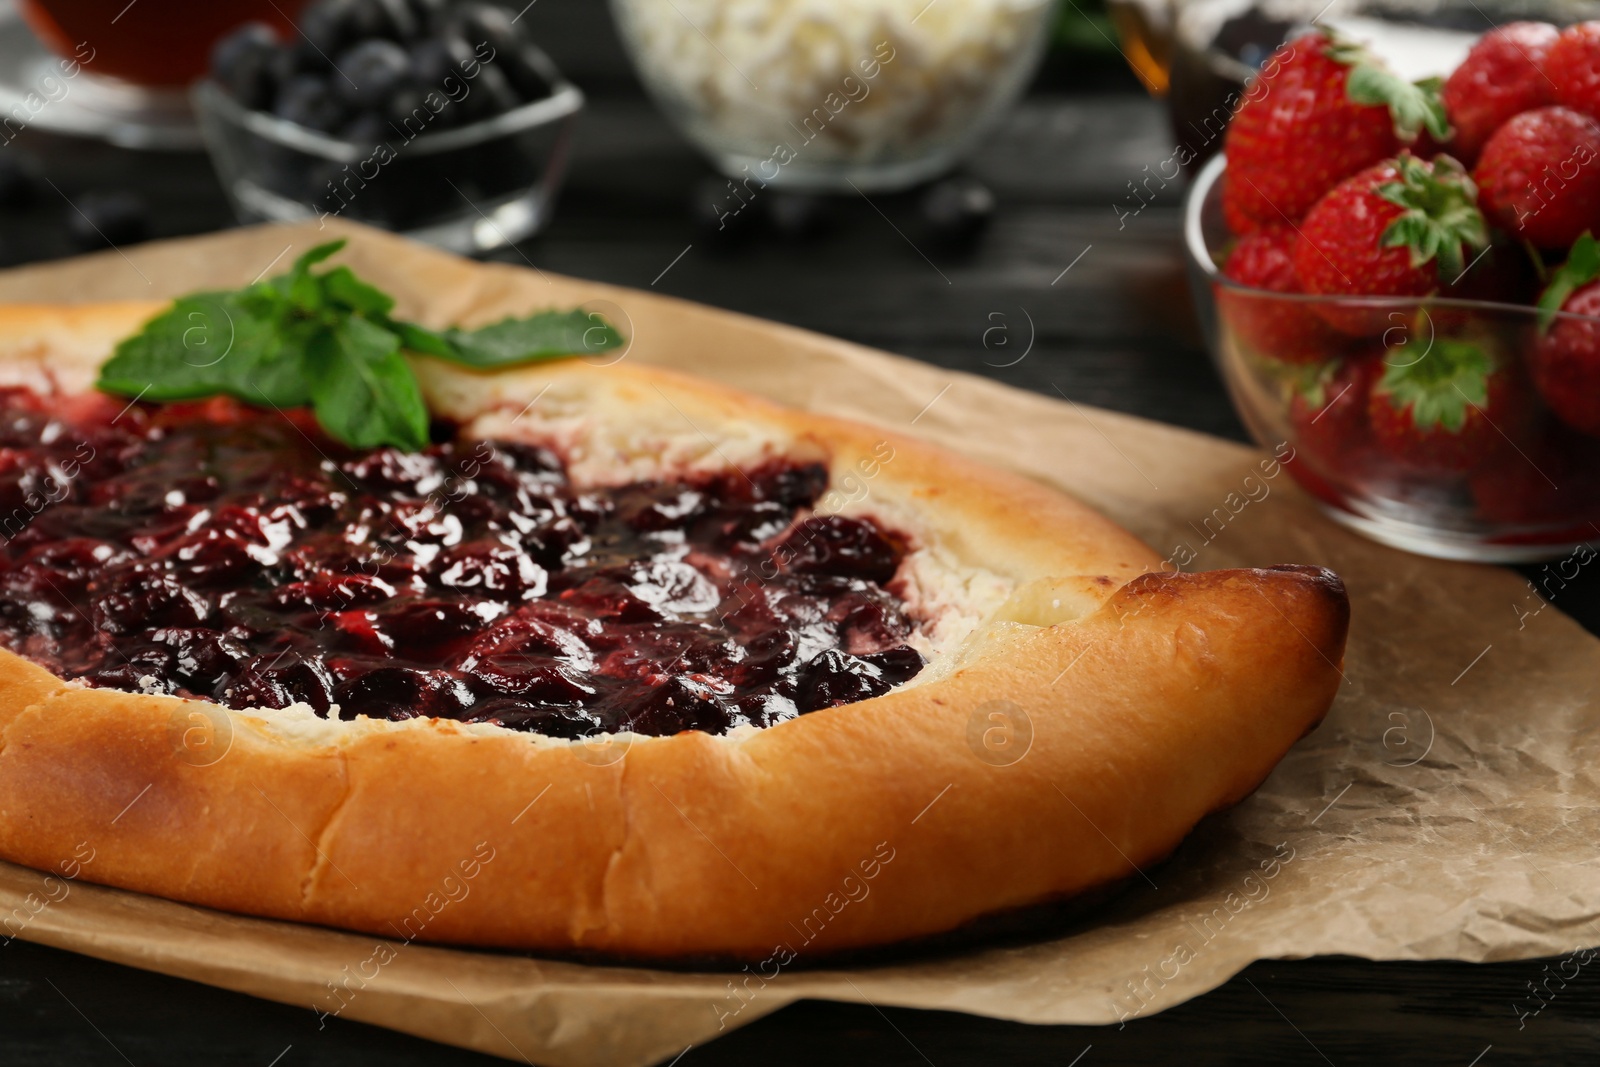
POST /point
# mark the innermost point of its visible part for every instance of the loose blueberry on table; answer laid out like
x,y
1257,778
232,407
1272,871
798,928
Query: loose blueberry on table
x,y
224,552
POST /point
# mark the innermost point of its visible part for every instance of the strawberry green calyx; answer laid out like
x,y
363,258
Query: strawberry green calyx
x,y
1414,106
1581,268
1441,219
1442,386
1311,382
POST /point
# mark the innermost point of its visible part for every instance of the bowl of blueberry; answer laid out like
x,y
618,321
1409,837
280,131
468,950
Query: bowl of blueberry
x,y
443,121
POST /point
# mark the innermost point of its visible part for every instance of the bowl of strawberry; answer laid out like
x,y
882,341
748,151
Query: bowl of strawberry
x,y
1400,282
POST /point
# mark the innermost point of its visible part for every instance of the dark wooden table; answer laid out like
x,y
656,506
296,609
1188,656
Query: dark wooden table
x,y
1116,330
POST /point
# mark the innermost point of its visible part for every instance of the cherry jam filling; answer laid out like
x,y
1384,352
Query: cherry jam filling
x,y
215,551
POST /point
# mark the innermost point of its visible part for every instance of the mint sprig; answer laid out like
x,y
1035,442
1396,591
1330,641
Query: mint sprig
x,y
1581,268
326,340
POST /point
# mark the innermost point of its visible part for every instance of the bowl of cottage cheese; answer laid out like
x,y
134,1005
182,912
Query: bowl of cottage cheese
x,y
826,95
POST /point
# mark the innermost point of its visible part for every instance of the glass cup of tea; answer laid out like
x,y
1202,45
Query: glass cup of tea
x,y
160,44
118,70
1144,29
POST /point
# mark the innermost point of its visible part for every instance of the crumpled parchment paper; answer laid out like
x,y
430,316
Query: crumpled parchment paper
x,y
1446,809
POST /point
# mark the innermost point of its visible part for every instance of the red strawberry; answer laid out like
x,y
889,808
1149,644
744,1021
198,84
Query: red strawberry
x,y
1267,325
1539,176
1573,65
1499,78
1552,479
1445,410
1233,210
1401,228
1329,415
1566,359
1320,110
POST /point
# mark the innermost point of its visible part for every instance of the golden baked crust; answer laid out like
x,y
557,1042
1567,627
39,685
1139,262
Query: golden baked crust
x,y
1078,717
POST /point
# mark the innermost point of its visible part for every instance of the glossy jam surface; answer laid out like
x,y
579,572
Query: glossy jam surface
x,y
215,551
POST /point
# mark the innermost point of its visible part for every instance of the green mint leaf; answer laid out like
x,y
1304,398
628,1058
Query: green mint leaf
x,y
301,292
343,289
316,255
420,339
545,335
299,285
363,390
1581,268
205,345
273,373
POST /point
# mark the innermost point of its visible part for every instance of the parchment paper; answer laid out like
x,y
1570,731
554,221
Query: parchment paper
x,y
1446,809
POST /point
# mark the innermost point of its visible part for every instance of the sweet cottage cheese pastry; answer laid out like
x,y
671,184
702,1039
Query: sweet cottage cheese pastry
x,y
618,661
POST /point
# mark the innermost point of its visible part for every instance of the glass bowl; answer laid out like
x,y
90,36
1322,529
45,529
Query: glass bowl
x,y
468,189
1533,494
830,95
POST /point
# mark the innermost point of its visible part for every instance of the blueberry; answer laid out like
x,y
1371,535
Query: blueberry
x,y
307,100
957,209
395,20
430,14
298,57
370,73
409,117
367,128
487,24
248,39
113,217
797,214
719,212
243,63
368,19
329,25
335,25
527,69
491,94
438,58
